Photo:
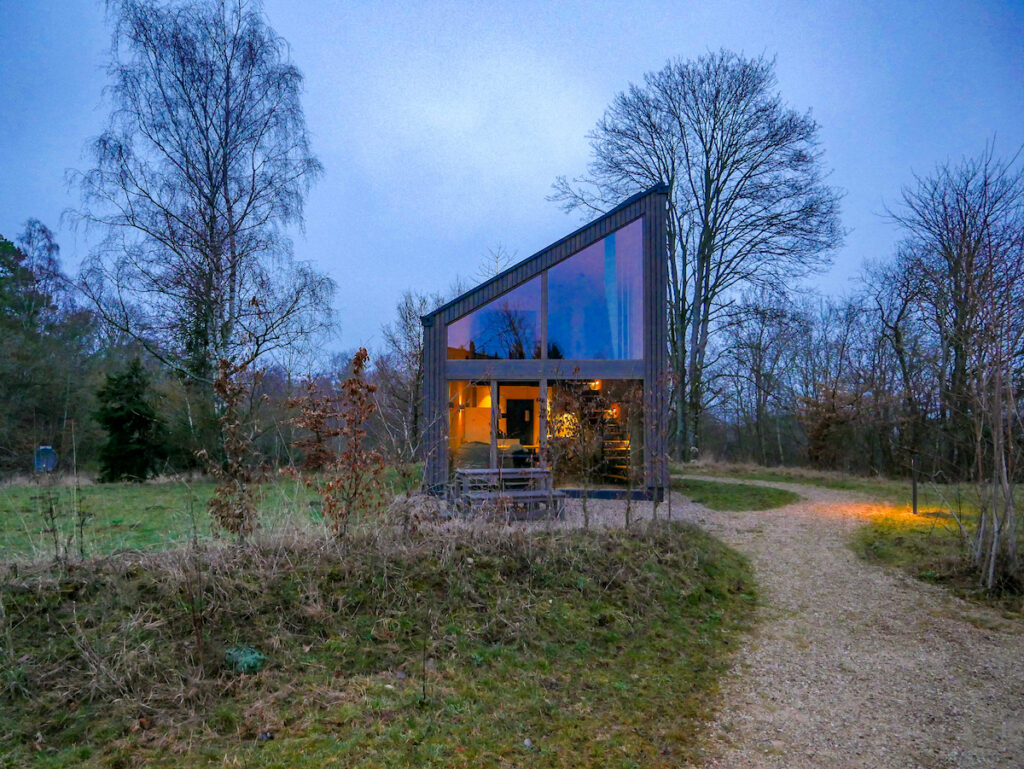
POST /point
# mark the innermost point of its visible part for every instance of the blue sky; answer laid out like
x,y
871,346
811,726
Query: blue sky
x,y
442,125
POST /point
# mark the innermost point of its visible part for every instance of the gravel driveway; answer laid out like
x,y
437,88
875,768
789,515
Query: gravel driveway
x,y
853,665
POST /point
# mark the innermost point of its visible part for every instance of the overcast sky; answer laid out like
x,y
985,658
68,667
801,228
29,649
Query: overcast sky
x,y
442,125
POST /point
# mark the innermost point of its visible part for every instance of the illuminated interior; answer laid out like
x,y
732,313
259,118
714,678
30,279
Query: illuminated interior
x,y
528,425
519,424
469,424
611,413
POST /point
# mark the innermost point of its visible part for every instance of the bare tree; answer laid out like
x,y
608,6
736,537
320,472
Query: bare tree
x,y
497,260
895,294
399,377
950,218
42,252
204,164
965,244
748,205
760,347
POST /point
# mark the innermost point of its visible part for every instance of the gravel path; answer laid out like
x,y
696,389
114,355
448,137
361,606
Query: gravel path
x,y
853,665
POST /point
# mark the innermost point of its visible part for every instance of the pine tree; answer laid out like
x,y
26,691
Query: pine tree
x,y
134,443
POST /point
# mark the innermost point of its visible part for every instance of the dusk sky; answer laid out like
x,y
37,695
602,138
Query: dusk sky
x,y
441,126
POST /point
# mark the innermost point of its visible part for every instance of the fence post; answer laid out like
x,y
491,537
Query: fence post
x,y
913,473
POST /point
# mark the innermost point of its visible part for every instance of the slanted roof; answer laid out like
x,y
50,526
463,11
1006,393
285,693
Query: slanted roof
x,y
628,210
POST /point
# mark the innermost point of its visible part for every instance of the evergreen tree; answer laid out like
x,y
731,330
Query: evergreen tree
x,y
135,433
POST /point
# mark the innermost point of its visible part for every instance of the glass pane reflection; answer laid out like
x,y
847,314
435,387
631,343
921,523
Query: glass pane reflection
x,y
506,328
595,300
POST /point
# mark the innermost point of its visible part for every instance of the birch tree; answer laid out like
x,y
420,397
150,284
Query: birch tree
x,y
203,166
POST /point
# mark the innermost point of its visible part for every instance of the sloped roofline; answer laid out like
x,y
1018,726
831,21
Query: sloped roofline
x,y
428,319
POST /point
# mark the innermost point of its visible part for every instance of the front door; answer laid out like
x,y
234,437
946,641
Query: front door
x,y
519,416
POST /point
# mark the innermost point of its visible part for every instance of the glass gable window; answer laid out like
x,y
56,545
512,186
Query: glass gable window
x,y
506,328
595,300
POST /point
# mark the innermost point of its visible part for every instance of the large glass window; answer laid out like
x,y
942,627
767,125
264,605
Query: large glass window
x,y
595,430
595,300
469,424
517,416
506,328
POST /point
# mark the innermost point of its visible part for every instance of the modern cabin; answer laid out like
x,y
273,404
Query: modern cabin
x,y
585,318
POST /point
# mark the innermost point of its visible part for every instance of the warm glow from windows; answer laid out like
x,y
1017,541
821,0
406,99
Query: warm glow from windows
x,y
564,426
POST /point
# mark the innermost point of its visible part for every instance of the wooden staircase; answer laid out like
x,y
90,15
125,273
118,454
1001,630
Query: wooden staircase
x,y
615,454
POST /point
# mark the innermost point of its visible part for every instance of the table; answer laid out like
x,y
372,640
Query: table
x,y
528,489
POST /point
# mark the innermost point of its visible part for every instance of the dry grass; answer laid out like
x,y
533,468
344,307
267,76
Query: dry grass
x,y
443,646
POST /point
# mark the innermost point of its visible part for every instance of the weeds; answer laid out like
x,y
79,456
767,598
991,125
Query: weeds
x,y
62,519
194,590
51,524
352,483
233,504
470,638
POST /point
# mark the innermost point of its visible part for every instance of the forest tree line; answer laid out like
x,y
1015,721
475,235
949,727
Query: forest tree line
x,y
192,307
194,267
57,357
904,367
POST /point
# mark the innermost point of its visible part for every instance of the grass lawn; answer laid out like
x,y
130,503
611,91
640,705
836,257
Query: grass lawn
x,y
733,496
122,516
485,649
135,516
927,545
893,490
800,475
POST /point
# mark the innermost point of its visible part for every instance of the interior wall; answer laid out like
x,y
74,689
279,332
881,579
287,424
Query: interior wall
x,y
469,413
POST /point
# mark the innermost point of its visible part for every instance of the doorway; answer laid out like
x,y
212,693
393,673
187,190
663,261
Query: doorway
x,y
518,424
519,416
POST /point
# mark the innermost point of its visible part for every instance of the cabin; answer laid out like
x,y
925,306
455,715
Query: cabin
x,y
581,321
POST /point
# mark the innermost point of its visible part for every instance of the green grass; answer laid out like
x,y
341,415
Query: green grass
x,y
733,496
927,545
474,650
122,516
136,516
799,475
930,547
892,490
